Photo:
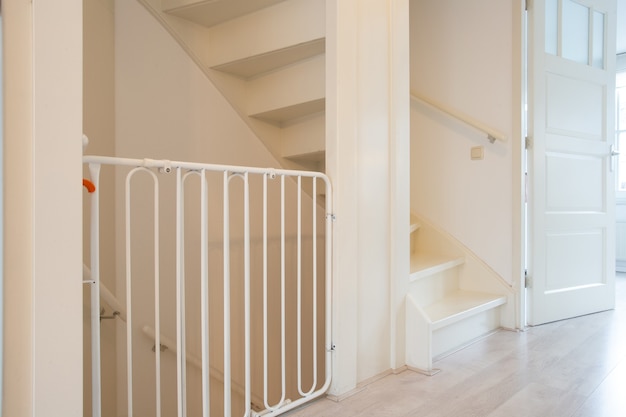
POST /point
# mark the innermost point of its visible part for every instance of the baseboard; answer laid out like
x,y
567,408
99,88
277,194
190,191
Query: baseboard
x,y
339,398
374,378
363,384
399,370
466,344
432,372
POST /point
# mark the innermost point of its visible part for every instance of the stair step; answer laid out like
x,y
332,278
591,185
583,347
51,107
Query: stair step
x,y
460,305
288,30
210,13
287,113
281,96
423,265
306,139
249,67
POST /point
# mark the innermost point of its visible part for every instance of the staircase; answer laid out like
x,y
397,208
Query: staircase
x,y
453,297
267,57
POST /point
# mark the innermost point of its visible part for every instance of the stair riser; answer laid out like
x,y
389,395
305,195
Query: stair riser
x,y
458,335
286,24
287,88
434,287
305,139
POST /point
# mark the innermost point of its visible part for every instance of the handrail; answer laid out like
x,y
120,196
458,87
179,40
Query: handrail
x,y
170,345
106,295
492,134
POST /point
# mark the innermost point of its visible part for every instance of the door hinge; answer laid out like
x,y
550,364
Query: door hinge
x,y
528,280
527,5
528,142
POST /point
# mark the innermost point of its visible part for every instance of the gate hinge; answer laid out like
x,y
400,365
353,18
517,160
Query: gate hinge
x,y
528,143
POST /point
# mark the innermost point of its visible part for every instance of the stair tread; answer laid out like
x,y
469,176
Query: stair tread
x,y
212,13
291,112
252,66
461,304
424,264
314,156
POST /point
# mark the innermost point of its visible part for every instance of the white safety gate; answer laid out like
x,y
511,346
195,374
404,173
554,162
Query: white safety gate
x,y
224,284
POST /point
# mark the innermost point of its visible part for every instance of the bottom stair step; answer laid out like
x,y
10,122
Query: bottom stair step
x,y
447,324
460,305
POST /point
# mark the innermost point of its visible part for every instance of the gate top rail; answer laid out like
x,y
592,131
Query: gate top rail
x,y
167,165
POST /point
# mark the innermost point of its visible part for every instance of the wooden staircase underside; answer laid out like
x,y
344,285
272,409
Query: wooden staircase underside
x,y
267,57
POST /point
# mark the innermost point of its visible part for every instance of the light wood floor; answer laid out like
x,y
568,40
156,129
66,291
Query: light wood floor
x,y
572,368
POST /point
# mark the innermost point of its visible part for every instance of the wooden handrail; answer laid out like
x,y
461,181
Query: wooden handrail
x,y
492,134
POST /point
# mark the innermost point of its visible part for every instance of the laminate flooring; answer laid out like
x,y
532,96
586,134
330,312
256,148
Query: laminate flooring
x,y
570,368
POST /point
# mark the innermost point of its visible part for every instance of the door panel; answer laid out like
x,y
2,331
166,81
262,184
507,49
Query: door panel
x,y
571,206
570,262
579,193
574,106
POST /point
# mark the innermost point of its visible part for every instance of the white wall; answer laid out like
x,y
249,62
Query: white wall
x,y
43,129
18,396
466,55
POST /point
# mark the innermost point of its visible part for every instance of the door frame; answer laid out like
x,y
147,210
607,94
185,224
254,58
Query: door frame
x,y
620,197
522,171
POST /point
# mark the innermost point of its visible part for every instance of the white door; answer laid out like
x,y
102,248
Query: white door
x,y
571,74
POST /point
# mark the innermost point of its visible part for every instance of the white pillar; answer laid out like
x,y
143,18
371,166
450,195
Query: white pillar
x,y
17,221
342,168
400,167
42,271
367,114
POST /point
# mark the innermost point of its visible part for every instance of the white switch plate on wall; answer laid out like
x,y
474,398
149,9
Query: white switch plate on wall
x,y
477,153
